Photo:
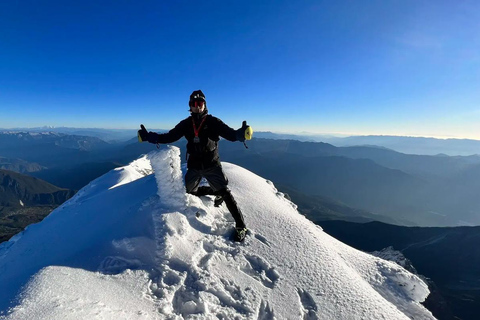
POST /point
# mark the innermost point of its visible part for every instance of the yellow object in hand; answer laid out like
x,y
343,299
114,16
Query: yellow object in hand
x,y
248,133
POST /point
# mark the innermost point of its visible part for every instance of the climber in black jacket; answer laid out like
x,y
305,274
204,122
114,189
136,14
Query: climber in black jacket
x,y
203,131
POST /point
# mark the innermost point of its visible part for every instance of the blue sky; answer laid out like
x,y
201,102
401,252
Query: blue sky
x,y
406,67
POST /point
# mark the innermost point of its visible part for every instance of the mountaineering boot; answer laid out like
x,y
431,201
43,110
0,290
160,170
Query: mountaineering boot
x,y
240,234
203,191
232,207
218,201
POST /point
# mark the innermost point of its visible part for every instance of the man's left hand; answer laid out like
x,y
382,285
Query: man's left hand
x,y
245,132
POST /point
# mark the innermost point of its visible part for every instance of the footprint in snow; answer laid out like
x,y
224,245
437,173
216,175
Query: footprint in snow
x,y
309,307
262,239
265,312
115,265
260,270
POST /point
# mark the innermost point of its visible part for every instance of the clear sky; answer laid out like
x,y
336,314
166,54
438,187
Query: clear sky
x,y
401,67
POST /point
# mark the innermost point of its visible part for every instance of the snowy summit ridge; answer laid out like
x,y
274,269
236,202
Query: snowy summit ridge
x,y
130,246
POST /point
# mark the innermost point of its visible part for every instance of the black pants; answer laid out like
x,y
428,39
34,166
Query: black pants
x,y
218,185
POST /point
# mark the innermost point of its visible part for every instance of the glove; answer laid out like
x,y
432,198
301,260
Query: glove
x,y
244,133
142,134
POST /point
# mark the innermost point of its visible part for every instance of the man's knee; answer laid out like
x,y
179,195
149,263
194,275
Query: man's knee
x,y
190,188
192,181
223,192
203,191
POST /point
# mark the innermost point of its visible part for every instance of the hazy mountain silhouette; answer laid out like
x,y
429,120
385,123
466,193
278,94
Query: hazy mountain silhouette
x,y
320,208
414,190
19,165
422,165
52,149
77,176
413,145
407,189
409,145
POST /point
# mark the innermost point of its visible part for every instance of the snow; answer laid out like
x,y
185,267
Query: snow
x,y
130,246
391,254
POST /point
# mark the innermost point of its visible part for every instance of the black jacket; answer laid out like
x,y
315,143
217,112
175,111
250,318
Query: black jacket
x,y
202,154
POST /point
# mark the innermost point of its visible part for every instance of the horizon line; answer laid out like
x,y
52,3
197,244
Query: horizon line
x,y
294,133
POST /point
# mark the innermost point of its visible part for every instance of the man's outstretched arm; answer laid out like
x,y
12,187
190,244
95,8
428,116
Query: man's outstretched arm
x,y
242,134
153,137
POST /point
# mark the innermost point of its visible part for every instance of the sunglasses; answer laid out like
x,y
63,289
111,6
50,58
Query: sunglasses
x,y
198,103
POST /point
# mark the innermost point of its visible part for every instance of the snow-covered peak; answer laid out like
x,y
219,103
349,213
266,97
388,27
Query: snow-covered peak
x,y
21,134
133,245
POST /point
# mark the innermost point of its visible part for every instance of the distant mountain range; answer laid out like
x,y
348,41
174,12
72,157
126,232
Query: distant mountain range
x,y
320,208
413,145
408,189
75,176
109,135
19,165
391,186
404,144
51,149
409,145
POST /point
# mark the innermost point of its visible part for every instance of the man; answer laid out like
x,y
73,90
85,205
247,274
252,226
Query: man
x,y
203,131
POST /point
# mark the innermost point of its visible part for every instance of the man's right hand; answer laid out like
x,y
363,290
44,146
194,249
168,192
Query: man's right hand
x,y
142,134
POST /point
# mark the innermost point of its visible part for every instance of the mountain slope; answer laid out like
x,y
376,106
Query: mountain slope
x,y
19,165
129,245
413,145
318,208
448,256
18,190
40,146
410,189
77,176
359,183
25,200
